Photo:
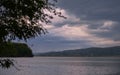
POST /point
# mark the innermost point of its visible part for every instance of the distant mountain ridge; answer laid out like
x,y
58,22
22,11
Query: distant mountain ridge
x,y
88,52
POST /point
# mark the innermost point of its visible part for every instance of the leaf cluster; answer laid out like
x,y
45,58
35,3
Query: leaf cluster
x,y
6,63
21,19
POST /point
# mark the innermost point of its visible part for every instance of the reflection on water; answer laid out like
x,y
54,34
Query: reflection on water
x,y
65,66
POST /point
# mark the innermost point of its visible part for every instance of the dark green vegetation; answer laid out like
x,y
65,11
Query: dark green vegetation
x,y
23,19
6,63
88,52
15,50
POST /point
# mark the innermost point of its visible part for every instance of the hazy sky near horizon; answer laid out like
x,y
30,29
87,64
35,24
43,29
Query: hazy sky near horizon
x,y
89,23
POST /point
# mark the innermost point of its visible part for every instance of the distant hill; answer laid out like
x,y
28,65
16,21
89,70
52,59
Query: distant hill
x,y
15,50
88,52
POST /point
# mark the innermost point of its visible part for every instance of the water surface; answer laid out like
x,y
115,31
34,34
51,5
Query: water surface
x,y
65,66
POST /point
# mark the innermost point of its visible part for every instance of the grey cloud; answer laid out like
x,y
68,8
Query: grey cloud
x,y
92,13
50,43
113,33
93,9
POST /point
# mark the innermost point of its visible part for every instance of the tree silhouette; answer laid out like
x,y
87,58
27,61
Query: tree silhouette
x,y
21,19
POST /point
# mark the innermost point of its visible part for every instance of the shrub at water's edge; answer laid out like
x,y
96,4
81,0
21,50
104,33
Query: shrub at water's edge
x,y
15,50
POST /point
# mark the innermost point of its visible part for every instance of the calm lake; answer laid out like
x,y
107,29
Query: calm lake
x,y
65,66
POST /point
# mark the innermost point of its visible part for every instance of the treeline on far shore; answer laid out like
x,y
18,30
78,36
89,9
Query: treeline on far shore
x,y
15,50
87,52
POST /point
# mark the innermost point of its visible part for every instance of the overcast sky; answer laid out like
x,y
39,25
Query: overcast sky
x,y
89,23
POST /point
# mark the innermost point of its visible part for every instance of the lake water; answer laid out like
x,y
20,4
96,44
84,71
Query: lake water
x,y
65,66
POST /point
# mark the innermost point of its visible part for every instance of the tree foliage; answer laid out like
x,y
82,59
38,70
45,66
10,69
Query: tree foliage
x,y
15,50
20,19
6,63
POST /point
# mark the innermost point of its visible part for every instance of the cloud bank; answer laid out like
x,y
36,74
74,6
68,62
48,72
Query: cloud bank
x,y
80,31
